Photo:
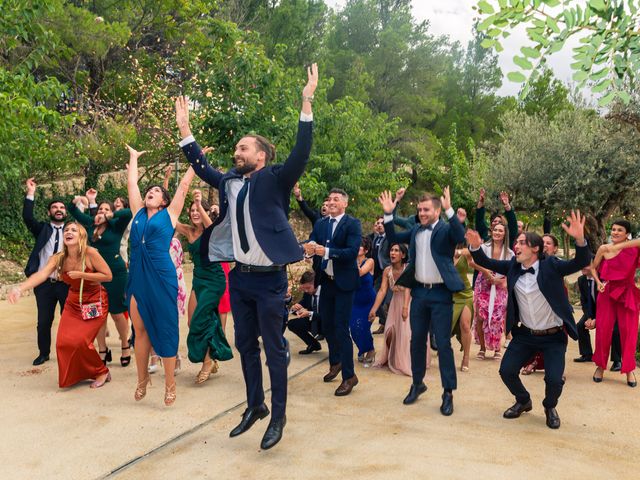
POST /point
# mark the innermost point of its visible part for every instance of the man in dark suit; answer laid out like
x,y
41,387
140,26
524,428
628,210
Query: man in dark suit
x,y
588,300
49,241
433,279
538,312
335,241
253,230
305,323
310,213
380,255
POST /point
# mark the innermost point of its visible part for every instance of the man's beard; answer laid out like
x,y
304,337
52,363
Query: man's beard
x,y
246,168
53,218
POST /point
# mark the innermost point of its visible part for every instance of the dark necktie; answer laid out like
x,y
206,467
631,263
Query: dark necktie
x,y
57,240
331,222
242,232
378,241
528,270
314,303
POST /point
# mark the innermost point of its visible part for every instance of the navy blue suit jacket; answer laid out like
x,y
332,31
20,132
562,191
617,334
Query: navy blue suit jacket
x,y
269,196
550,280
444,239
42,232
343,251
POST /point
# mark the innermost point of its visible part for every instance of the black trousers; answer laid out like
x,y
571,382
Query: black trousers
x,y
48,295
257,303
584,341
303,328
431,311
520,350
335,310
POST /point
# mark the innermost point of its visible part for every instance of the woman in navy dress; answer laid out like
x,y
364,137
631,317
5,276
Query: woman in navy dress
x,y
153,287
362,302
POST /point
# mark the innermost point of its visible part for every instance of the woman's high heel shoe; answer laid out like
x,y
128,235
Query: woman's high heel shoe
x,y
633,384
206,372
107,355
369,358
97,384
141,389
125,361
170,394
597,379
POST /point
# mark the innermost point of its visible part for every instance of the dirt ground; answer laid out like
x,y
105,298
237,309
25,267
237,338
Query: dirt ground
x,y
79,433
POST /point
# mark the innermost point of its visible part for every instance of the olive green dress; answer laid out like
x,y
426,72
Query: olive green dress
x,y
108,245
463,298
205,330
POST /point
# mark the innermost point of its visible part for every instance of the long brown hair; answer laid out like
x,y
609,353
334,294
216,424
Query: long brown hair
x,y
82,246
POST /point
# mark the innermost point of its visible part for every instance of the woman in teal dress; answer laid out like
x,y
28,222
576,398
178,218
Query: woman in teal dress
x,y
105,232
152,290
206,340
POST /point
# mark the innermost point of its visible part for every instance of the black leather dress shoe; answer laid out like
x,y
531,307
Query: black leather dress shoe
x,y
273,433
310,349
414,392
517,409
249,417
582,359
553,419
40,359
447,404
616,367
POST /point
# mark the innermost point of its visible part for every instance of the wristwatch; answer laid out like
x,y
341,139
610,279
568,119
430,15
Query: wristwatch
x,y
307,99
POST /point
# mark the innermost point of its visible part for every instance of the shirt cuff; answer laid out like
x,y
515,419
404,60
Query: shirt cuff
x,y
93,205
450,213
306,117
30,197
186,141
388,218
326,254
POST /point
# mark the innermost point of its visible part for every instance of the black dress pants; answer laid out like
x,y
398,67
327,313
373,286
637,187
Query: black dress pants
x,y
48,295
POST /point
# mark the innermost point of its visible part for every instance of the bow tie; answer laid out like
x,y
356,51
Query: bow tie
x,y
426,227
527,270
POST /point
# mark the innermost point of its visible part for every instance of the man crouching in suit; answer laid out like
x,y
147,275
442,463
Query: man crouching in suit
x,y
433,279
335,241
538,312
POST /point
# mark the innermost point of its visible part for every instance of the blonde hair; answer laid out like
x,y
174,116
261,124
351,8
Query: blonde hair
x,y
82,246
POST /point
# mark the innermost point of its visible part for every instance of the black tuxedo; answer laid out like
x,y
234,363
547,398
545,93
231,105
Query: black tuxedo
x,y
336,296
258,296
50,293
550,281
588,301
307,327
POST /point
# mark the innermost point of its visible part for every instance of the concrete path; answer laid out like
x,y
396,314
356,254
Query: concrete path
x,y
79,433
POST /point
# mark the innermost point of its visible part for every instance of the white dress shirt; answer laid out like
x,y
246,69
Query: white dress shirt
x,y
48,249
535,311
426,268
329,268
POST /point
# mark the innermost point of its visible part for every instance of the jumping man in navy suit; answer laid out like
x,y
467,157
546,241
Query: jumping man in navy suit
x,y
538,312
433,279
335,241
253,230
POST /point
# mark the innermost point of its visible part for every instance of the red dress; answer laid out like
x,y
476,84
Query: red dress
x,y
77,357
620,301
225,305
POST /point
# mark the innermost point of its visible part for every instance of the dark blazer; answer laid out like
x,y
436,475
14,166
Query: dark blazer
x,y
343,251
444,239
310,213
41,231
588,304
380,254
550,280
269,196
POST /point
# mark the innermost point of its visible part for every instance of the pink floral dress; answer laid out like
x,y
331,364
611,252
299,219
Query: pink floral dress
x,y
177,256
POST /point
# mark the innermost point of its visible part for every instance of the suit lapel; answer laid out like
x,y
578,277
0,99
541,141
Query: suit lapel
x,y
342,221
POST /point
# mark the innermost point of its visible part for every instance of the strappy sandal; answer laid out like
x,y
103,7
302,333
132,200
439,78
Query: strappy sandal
x,y
497,355
154,364
481,355
206,372
141,389
529,369
170,394
125,361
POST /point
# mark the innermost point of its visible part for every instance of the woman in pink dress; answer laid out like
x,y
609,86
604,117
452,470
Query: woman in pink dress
x,y
396,350
614,271
490,296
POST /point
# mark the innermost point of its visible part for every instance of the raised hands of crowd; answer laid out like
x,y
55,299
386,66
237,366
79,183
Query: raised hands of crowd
x,y
504,198
575,228
31,186
400,194
473,239
445,199
388,202
462,215
481,198
182,116
297,193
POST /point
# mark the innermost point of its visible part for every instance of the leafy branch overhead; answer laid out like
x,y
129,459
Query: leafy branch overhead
x,y
607,59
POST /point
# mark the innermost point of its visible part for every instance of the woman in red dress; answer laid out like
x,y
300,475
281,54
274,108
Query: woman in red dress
x,y
614,271
77,357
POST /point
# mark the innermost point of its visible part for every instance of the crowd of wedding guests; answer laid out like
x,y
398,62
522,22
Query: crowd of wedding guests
x,y
425,279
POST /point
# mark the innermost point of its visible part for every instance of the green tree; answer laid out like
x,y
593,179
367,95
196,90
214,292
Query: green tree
x,y
546,95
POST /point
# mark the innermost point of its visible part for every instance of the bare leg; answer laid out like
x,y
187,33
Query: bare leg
x,y
102,340
480,332
465,333
191,306
223,321
143,344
